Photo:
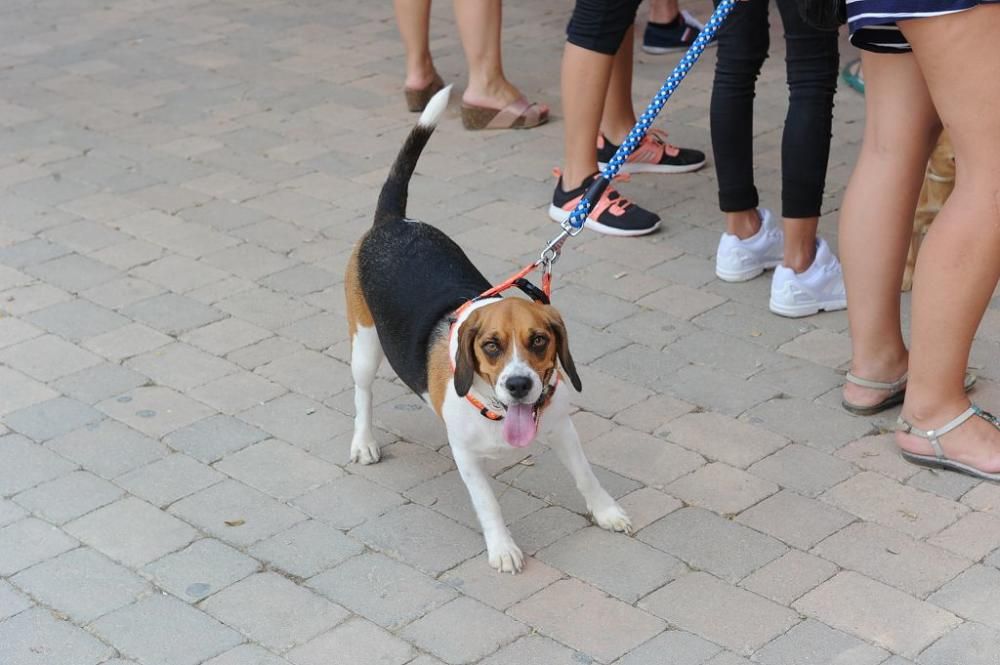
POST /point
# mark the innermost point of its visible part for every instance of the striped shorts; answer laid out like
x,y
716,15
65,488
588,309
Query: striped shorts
x,y
872,23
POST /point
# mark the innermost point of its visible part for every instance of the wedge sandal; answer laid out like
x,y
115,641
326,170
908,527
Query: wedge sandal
x,y
417,98
939,460
519,114
897,392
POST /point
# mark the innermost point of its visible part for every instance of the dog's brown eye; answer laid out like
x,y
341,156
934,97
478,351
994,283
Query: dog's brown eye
x,y
539,341
491,348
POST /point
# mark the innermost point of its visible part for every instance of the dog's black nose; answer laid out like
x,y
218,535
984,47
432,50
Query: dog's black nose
x,y
518,386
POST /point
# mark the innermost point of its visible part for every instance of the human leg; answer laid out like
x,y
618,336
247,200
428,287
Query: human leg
x,y
479,24
595,37
959,263
877,215
618,116
811,58
743,46
753,240
653,154
413,20
809,280
663,11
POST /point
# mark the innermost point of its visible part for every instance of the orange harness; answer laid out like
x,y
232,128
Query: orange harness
x,y
518,280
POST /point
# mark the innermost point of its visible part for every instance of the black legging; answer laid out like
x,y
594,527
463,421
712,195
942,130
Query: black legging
x,y
812,60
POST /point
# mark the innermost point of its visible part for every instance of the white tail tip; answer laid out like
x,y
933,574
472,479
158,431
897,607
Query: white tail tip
x,y
432,112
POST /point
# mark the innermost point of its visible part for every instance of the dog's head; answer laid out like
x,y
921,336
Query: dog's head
x,y
514,345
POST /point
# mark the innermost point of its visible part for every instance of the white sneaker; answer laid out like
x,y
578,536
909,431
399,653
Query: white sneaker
x,y
739,260
819,288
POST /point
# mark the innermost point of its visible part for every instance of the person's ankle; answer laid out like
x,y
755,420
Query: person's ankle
x,y
616,133
490,91
743,224
887,365
930,411
799,258
664,19
572,178
420,73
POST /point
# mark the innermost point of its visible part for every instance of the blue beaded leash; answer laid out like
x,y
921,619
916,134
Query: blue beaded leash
x,y
574,223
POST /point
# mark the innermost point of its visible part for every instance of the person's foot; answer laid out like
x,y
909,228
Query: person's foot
x,y
612,215
491,95
739,260
652,155
975,443
819,288
677,35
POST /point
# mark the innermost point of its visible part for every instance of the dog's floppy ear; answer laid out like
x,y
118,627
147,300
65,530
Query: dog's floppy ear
x,y
465,356
558,329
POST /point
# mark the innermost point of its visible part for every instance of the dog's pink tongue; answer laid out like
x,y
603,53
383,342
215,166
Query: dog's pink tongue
x,y
519,425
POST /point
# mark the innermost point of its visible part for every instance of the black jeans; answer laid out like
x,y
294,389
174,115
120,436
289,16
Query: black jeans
x,y
812,60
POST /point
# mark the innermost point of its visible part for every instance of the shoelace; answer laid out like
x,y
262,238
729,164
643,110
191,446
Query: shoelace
x,y
660,136
614,198
617,200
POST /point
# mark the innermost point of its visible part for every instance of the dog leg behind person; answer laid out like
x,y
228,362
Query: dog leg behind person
x,y
605,510
503,552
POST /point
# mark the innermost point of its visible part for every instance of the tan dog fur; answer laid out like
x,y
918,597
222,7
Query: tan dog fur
x,y
939,181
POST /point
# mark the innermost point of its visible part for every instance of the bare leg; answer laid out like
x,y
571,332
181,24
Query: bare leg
x,y
900,127
663,11
479,23
958,267
619,117
413,20
585,77
743,223
800,242
503,552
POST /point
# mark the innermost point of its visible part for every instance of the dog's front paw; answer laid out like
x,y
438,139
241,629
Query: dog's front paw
x,y
505,556
613,518
364,450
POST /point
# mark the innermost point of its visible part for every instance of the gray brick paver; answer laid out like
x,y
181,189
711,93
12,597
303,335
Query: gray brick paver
x,y
274,611
36,637
81,584
161,630
710,608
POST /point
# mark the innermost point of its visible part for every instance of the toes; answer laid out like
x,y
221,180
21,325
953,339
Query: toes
x,y
365,453
507,559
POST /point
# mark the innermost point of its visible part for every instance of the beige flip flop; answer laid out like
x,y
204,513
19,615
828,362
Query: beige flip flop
x,y
519,114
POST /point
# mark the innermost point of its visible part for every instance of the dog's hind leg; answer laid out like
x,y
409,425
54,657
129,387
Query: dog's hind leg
x,y
366,356
605,510
503,552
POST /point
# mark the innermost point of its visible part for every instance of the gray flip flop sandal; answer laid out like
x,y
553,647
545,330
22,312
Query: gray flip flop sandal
x,y
939,460
898,392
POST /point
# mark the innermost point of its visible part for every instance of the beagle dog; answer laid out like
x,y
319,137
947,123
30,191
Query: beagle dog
x,y
492,368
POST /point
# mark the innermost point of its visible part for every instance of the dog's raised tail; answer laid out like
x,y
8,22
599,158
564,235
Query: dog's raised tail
x,y
392,200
